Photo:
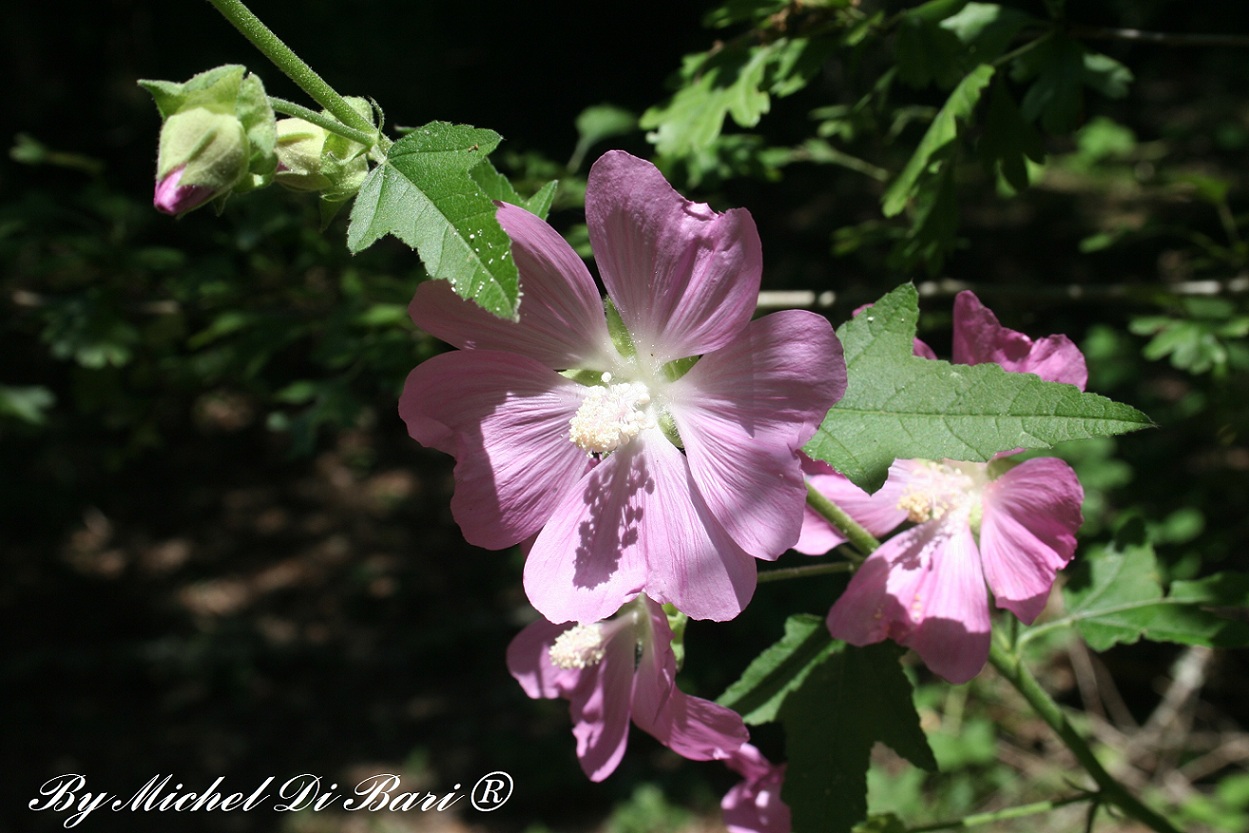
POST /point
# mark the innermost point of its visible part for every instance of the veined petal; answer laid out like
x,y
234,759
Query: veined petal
x,y
980,339
744,410
601,707
1028,532
561,320
924,589
505,419
878,513
684,278
694,728
588,560
634,524
694,564
951,609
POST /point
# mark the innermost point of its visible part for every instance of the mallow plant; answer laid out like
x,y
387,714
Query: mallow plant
x,y
651,449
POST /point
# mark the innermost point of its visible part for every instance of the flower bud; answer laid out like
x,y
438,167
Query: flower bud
x,y
311,158
217,138
299,149
202,155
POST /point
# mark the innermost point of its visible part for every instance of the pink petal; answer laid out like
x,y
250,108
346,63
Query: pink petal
x,y
505,420
601,706
172,197
924,589
953,631
529,661
635,523
754,805
693,563
744,410
878,513
1028,532
589,560
685,278
561,320
694,728
980,339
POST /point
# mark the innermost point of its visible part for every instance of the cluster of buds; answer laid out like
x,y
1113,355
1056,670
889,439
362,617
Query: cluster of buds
x,y
220,137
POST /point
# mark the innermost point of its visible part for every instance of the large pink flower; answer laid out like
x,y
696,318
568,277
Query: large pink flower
x,y
631,471
614,671
1010,526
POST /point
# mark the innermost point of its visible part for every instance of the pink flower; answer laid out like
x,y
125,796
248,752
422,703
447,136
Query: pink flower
x,y
614,671
631,471
1010,526
754,805
173,198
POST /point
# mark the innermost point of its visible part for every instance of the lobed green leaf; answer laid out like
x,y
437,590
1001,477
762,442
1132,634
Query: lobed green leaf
x,y
851,700
425,194
1115,597
899,406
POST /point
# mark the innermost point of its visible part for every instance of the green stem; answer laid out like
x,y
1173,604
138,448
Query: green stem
x,y
802,572
1004,814
859,538
263,38
1011,667
290,108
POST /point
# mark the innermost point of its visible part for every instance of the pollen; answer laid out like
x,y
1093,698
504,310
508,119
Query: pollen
x,y
611,415
578,647
936,489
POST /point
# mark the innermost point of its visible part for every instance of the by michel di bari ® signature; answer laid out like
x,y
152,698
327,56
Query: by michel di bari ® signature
x,y
68,793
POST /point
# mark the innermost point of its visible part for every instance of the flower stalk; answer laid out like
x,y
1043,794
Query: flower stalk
x,y
264,39
290,108
862,540
1012,669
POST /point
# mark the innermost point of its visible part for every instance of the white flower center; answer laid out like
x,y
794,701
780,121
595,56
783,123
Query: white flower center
x,y
933,490
580,646
611,415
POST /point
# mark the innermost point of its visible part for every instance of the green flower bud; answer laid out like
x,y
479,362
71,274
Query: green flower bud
x,y
217,138
299,149
311,158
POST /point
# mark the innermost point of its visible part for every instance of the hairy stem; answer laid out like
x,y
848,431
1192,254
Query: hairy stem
x,y
290,108
1011,667
803,572
859,538
1005,813
263,38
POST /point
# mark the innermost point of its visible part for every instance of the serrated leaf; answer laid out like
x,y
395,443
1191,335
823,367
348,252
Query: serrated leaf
x,y
898,405
939,136
763,686
853,699
424,193
1115,597
498,187
540,202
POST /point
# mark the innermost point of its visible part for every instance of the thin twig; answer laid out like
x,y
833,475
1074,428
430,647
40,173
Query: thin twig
x,y
1159,38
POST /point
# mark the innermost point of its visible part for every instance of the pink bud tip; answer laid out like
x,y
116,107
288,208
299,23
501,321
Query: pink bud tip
x,y
172,198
